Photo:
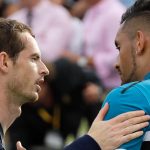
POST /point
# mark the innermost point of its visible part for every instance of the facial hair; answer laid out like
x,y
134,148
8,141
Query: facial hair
x,y
17,91
132,76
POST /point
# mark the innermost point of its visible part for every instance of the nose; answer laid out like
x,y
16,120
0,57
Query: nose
x,y
44,70
116,66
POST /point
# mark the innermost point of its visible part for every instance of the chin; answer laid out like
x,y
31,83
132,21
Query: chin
x,y
33,98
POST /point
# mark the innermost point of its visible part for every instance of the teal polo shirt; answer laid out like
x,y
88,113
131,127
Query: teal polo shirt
x,y
130,97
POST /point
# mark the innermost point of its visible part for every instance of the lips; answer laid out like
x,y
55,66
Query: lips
x,y
38,83
38,88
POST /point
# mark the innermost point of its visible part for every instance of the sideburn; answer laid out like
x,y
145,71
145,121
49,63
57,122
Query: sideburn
x,y
132,76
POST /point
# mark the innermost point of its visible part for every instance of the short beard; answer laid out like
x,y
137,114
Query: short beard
x,y
132,77
16,93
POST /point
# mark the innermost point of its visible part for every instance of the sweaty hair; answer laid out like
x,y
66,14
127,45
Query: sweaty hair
x,y
10,39
138,7
137,17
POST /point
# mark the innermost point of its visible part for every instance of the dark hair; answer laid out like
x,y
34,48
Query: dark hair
x,y
137,9
10,40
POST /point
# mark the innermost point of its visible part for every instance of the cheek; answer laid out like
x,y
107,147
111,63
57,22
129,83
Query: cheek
x,y
26,76
123,62
16,84
30,70
23,79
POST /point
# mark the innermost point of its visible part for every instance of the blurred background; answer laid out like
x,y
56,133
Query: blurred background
x,y
76,38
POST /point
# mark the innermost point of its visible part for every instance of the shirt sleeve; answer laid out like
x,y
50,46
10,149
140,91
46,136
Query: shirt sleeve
x,y
130,100
83,143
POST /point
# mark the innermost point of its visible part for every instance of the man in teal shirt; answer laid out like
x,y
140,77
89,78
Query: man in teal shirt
x,y
133,65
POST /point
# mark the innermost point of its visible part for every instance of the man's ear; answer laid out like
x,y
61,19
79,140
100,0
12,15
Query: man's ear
x,y
140,42
4,62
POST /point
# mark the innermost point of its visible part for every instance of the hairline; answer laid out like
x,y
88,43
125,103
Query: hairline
x,y
136,22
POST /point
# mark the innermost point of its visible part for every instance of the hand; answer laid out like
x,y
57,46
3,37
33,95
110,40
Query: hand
x,y
121,129
19,146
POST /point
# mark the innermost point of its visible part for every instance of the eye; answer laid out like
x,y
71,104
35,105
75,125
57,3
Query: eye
x,y
35,58
118,47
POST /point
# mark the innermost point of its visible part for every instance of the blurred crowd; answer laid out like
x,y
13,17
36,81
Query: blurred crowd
x,y
76,38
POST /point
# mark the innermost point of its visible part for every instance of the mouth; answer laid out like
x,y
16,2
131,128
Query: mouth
x,y
38,83
38,88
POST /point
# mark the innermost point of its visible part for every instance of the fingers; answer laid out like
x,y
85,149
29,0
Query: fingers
x,y
131,125
102,112
19,146
131,132
131,136
136,120
134,128
127,116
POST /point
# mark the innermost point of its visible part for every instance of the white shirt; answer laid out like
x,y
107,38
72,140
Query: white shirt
x,y
52,26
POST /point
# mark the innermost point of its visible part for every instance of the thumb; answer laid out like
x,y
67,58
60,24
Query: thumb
x,y
102,112
19,146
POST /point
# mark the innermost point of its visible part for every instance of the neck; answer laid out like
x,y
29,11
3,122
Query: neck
x,y
143,68
141,76
8,111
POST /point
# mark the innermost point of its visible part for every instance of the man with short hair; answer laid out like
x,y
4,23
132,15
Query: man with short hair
x,y
21,70
133,43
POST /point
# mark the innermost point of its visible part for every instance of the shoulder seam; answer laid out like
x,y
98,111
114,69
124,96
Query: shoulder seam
x,y
125,89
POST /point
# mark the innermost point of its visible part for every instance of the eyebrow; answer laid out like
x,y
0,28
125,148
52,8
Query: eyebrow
x,y
36,55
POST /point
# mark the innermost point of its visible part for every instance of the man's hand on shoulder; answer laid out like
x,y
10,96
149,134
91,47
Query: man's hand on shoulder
x,y
112,133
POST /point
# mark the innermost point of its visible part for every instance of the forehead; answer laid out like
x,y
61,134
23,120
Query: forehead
x,y
121,34
30,43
